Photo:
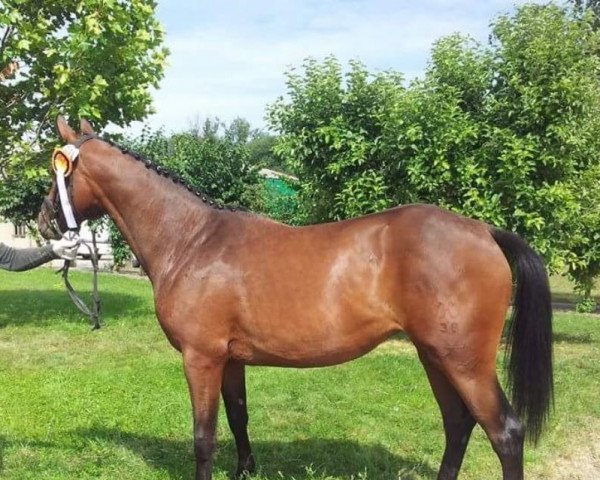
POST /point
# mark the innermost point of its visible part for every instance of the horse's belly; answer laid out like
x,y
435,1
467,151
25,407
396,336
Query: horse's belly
x,y
321,347
322,316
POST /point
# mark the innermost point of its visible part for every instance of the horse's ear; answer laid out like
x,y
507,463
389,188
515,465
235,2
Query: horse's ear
x,y
66,132
85,127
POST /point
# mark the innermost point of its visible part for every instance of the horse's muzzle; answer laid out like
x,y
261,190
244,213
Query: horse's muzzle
x,y
47,221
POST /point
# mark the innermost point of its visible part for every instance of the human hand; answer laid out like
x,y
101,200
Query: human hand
x,y
66,248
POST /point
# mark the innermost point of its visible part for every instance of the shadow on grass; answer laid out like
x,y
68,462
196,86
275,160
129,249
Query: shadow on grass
x,y
275,459
41,307
576,338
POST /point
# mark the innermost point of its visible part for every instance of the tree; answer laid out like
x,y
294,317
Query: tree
x,y
95,58
261,151
584,252
328,136
545,110
507,133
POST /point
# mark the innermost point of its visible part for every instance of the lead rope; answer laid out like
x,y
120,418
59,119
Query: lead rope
x,y
92,311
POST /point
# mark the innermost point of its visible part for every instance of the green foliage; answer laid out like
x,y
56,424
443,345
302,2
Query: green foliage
x,y
94,58
507,133
260,148
586,303
365,193
20,196
120,249
329,134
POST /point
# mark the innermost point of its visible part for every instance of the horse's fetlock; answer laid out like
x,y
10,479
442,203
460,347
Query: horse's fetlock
x,y
246,466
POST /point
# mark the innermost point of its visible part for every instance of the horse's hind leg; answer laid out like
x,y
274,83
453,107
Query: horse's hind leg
x,y
234,397
458,421
474,378
492,411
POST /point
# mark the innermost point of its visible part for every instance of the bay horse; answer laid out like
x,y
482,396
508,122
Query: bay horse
x,y
233,288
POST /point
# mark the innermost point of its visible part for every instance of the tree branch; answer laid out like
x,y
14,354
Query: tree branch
x,y
38,130
7,33
14,100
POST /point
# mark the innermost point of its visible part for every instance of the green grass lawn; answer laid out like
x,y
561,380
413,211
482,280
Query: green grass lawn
x,y
113,404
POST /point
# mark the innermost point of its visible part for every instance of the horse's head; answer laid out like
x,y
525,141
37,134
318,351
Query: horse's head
x,y
85,204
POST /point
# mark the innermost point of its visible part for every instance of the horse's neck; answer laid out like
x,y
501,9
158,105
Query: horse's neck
x,y
156,216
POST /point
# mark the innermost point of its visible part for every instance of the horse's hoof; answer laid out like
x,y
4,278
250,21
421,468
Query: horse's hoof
x,y
246,468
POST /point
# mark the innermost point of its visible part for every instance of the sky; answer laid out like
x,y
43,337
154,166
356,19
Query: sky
x,y
228,58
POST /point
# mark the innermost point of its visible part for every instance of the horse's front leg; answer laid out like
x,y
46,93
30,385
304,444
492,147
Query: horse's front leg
x,y
204,376
234,397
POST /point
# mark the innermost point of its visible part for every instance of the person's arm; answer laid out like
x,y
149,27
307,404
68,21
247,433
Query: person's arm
x,y
18,260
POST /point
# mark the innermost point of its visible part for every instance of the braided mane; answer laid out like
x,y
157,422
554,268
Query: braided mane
x,y
162,171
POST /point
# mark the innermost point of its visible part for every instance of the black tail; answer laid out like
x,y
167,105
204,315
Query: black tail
x,y
529,340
